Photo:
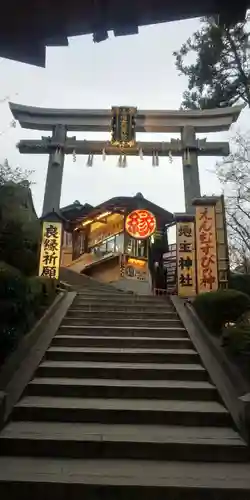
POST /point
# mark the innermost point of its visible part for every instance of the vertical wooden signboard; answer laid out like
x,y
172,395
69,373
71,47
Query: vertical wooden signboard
x,y
186,265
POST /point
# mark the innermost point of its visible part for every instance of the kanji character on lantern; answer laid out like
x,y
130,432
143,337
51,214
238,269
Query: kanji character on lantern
x,y
140,224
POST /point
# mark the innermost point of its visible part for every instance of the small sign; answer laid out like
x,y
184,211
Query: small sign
x,y
123,127
186,275
50,250
140,224
136,269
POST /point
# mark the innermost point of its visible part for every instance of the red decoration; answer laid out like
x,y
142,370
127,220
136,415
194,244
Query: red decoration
x,y
140,224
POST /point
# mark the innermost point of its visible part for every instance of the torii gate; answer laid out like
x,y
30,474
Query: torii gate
x,y
61,121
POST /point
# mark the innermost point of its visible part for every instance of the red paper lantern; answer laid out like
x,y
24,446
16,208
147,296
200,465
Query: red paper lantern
x,y
140,224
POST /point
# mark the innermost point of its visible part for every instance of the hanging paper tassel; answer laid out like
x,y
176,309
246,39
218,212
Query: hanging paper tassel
x,y
103,154
156,159
153,159
13,124
57,157
124,161
170,157
74,156
90,160
141,153
120,161
186,157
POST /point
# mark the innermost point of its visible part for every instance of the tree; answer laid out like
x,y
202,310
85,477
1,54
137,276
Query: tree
x,y
234,173
13,174
220,74
19,225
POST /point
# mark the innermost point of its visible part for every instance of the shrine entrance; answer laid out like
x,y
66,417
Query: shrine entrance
x,y
201,256
124,123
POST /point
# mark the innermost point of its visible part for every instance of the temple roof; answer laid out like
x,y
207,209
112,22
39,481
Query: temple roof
x,y
27,27
77,212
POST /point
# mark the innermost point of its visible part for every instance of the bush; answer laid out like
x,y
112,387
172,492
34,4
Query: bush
x,y
22,301
237,338
14,310
221,307
240,282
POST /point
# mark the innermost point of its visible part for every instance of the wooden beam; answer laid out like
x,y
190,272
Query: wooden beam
x,y
96,148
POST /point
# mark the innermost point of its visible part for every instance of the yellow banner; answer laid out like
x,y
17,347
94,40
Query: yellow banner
x,y
207,273
50,250
186,269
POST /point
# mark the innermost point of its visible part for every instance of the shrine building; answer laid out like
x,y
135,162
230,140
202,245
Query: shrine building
x,y
117,241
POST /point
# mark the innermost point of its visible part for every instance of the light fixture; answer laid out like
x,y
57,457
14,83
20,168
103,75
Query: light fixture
x,y
101,216
87,222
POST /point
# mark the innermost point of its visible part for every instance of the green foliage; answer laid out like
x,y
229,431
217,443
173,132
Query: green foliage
x,y
216,309
237,338
219,75
240,282
13,307
22,301
19,228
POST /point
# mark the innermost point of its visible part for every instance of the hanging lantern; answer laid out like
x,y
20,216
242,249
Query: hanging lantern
x,y
103,154
141,154
123,126
74,156
170,157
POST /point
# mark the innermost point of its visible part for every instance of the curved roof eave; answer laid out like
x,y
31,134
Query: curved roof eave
x,y
209,120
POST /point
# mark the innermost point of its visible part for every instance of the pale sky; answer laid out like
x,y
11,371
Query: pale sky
x,y
136,70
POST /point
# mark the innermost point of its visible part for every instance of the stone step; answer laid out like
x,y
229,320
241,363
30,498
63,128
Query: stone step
x,y
102,441
122,371
120,313
139,307
114,293
122,411
125,321
121,299
122,331
130,389
61,479
122,355
120,342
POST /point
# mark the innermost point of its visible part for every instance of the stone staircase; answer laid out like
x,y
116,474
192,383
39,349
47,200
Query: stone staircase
x,y
121,407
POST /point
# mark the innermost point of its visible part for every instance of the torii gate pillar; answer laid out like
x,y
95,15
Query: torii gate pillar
x,y
190,167
53,186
